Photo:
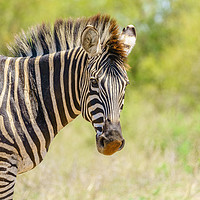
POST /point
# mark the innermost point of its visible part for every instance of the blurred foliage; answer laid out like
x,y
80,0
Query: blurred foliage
x,y
169,49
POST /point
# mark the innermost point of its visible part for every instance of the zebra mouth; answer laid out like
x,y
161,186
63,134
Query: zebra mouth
x,y
108,146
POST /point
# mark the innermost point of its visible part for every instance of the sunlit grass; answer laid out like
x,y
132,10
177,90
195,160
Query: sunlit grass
x,y
160,160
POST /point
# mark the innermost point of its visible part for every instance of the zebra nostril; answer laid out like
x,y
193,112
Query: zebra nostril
x,y
102,142
122,145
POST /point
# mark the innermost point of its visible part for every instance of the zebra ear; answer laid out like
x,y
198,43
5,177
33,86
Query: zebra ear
x,y
90,40
128,36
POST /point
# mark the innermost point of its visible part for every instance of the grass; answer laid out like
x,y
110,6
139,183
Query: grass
x,y
160,160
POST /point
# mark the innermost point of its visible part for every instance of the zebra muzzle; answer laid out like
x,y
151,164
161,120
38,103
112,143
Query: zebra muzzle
x,y
111,140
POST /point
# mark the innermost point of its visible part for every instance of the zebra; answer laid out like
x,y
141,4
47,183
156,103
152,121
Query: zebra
x,y
55,74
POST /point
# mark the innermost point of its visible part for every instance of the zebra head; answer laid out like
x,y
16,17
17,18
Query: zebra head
x,y
104,86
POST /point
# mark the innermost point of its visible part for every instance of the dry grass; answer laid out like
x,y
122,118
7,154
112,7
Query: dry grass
x,y
160,160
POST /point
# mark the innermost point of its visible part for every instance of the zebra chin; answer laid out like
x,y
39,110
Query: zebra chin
x,y
111,140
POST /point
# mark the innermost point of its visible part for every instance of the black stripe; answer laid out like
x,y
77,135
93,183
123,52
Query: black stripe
x,y
56,38
66,30
5,180
23,53
44,73
76,104
7,195
40,120
33,49
96,111
43,42
57,88
99,120
3,186
67,85
11,174
4,139
79,76
93,102
3,169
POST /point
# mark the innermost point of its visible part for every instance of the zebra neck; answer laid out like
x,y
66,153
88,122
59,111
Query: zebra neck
x,y
58,86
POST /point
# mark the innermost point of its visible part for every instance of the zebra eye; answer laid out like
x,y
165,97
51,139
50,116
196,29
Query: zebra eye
x,y
94,82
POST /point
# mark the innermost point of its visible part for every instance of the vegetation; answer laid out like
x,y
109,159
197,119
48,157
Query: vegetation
x,y
161,116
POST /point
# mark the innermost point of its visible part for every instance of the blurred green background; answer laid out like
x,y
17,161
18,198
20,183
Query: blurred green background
x,y
161,116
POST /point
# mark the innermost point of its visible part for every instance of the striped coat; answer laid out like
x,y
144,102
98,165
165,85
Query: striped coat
x,y
78,67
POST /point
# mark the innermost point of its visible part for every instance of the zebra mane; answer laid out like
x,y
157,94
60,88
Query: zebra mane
x,y
66,34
